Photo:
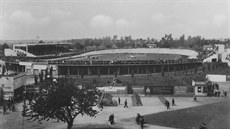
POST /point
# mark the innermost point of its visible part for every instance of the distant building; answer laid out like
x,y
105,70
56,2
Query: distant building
x,y
208,47
115,37
152,45
35,49
220,48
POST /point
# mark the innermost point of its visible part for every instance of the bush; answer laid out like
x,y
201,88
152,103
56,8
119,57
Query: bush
x,y
109,102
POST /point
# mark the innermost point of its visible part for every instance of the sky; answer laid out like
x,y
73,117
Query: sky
x,y
71,19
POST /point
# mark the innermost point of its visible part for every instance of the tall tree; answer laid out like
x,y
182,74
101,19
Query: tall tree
x,y
63,99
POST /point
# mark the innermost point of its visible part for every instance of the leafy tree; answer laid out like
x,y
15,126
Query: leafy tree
x,y
63,100
4,46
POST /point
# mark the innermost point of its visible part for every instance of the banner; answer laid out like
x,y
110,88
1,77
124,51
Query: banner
x,y
159,90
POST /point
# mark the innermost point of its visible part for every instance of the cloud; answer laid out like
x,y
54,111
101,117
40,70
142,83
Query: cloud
x,y
101,21
219,20
60,14
22,17
26,18
123,23
160,18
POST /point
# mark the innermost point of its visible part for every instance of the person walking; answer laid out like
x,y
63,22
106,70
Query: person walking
x,y
119,100
101,105
194,98
126,104
138,119
173,102
142,121
111,119
4,110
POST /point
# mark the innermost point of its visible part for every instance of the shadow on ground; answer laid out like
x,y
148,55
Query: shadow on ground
x,y
216,116
96,126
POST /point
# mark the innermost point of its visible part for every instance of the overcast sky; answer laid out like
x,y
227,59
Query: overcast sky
x,y
68,19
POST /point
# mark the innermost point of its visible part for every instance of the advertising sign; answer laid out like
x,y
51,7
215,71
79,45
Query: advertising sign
x,y
178,90
155,90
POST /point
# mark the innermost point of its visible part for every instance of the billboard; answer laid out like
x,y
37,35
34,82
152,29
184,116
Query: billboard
x,y
179,90
156,90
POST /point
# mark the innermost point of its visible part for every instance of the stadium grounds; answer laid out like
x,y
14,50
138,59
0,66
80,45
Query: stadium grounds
x,y
153,110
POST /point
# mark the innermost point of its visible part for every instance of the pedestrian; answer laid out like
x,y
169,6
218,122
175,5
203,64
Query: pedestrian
x,y
9,103
138,118
194,98
225,93
142,121
126,104
119,100
4,110
111,119
168,105
101,105
13,108
173,102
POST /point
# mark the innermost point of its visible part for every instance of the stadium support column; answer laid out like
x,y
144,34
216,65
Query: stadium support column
x,y
78,73
128,70
168,68
108,70
118,70
98,70
68,70
88,70
17,66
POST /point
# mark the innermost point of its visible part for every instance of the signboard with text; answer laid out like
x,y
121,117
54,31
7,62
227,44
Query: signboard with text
x,y
156,90
179,90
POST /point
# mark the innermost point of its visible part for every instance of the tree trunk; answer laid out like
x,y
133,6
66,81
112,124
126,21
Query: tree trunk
x,y
70,125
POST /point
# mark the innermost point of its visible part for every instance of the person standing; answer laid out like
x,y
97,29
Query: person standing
x,y
142,121
138,119
111,119
126,104
119,100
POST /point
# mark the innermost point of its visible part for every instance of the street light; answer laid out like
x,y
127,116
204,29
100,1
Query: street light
x,y
24,106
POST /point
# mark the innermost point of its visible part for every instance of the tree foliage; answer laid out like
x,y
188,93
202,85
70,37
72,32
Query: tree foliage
x,y
63,99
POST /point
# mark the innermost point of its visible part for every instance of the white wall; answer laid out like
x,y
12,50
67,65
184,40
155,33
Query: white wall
x,y
216,78
209,59
10,83
9,52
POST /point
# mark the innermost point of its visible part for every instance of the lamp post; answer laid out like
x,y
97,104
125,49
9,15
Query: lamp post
x,y
24,106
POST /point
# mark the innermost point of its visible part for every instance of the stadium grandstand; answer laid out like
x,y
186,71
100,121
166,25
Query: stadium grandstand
x,y
39,49
106,62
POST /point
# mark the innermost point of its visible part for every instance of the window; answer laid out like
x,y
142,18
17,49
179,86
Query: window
x,y
199,89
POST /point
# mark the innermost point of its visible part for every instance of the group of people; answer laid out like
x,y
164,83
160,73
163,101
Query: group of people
x,y
167,103
10,105
139,120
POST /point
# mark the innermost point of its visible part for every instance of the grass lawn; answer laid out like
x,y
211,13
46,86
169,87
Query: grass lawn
x,y
216,116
